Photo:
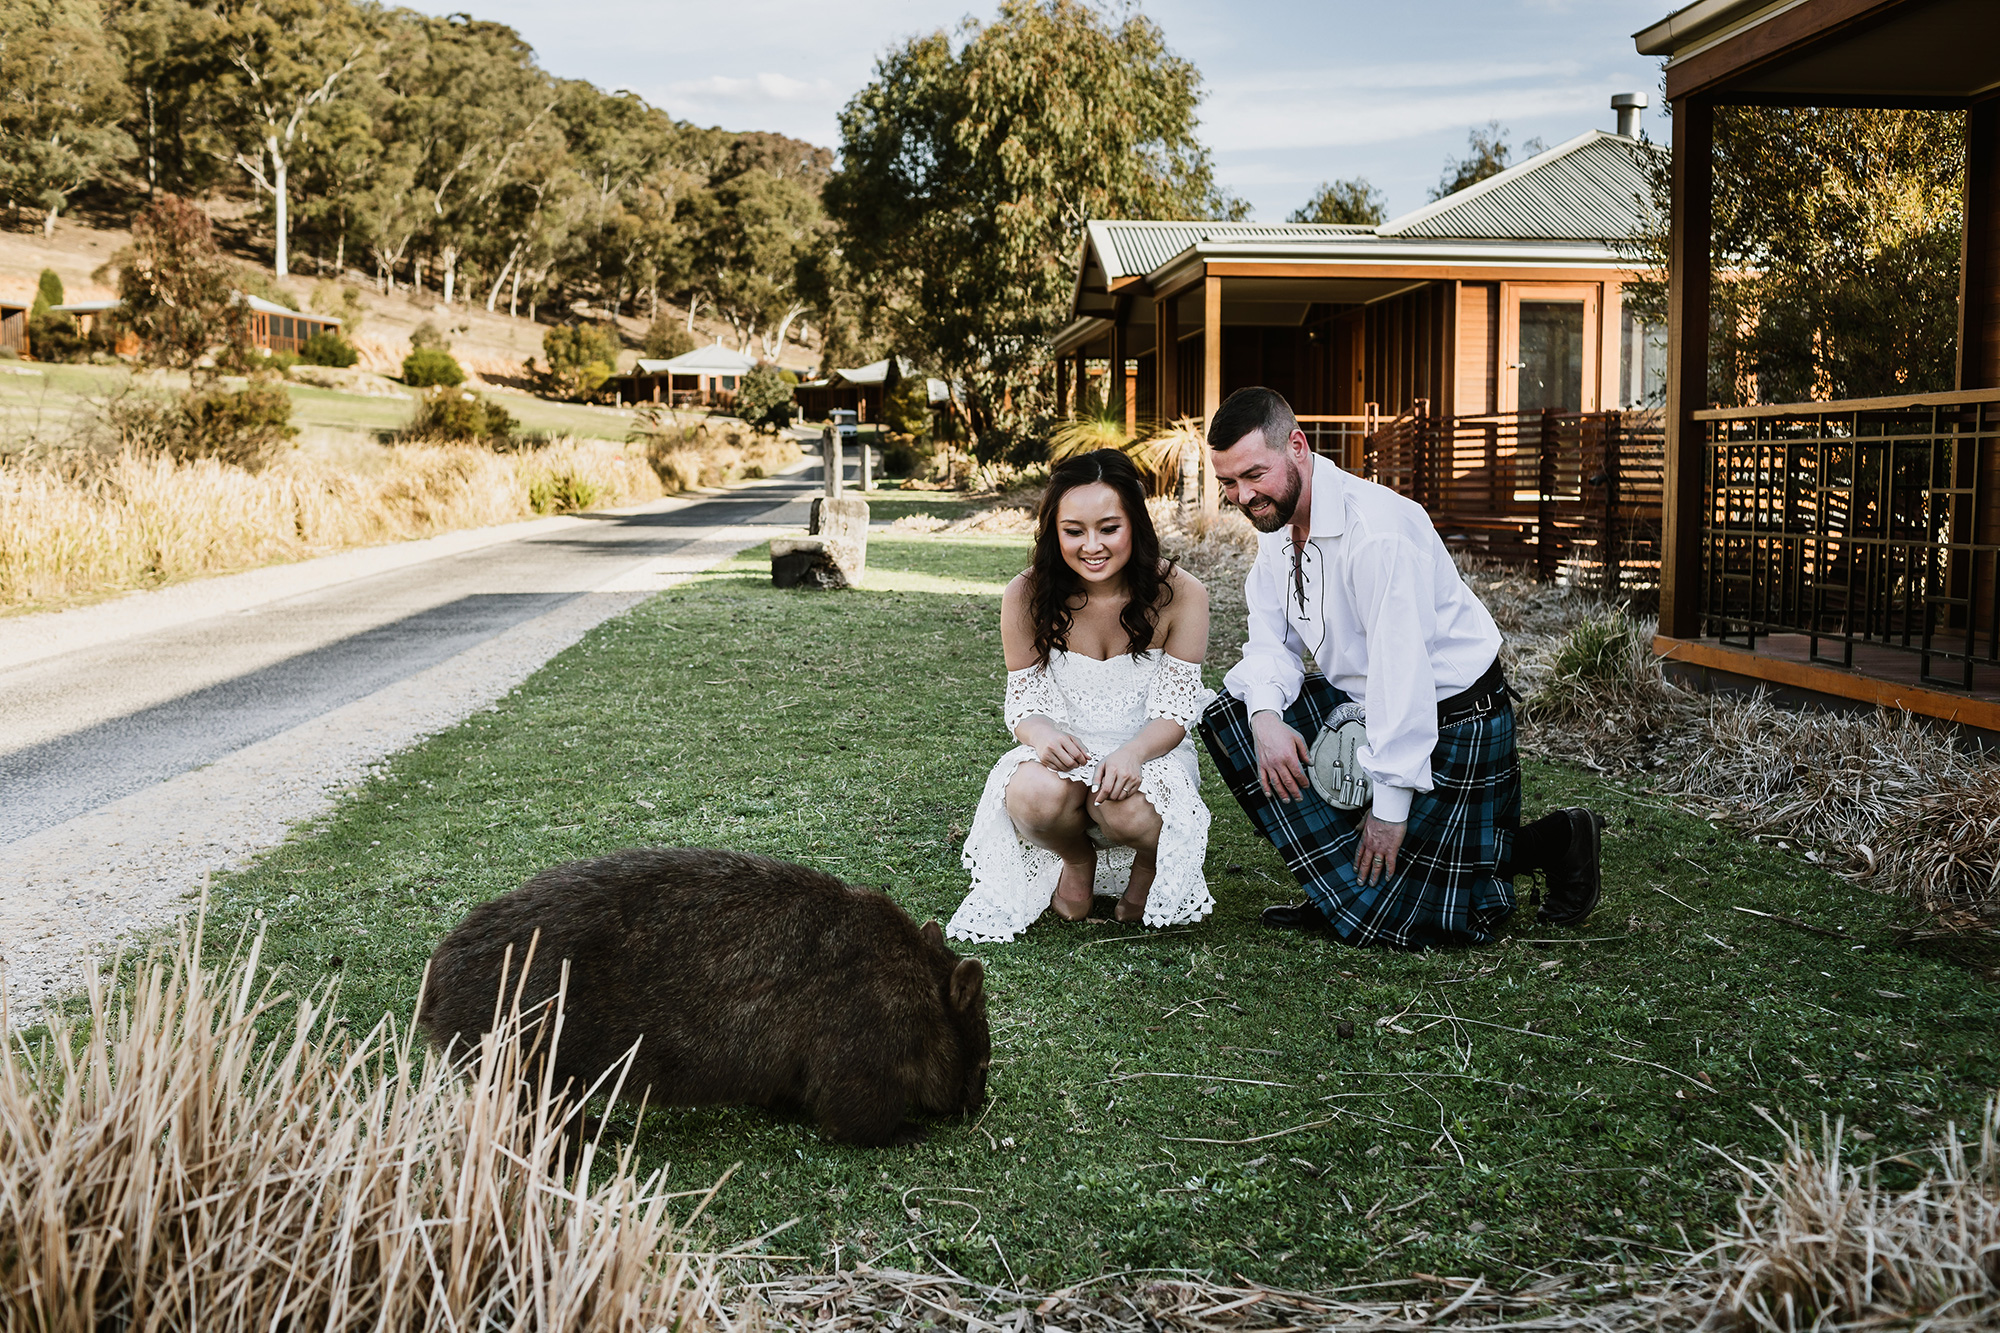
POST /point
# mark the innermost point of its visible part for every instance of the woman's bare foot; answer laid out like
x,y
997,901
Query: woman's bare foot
x,y
1080,881
1132,906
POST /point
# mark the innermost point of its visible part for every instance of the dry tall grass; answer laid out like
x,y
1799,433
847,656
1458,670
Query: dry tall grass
x,y
164,1168
708,453
1822,1245
90,524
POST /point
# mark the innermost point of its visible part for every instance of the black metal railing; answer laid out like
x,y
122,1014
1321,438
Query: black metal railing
x,y
1861,523
1574,494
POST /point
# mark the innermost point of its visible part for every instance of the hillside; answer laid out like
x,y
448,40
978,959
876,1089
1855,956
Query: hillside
x,y
492,346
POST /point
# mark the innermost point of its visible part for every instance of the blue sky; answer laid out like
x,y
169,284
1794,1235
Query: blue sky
x,y
1297,92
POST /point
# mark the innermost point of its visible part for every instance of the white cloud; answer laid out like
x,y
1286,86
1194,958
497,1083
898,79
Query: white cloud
x,y
755,88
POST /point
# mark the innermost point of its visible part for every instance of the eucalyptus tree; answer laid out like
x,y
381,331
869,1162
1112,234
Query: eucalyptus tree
x,y
281,65
62,96
969,168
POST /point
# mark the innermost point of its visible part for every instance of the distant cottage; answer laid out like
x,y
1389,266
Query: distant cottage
x,y
705,377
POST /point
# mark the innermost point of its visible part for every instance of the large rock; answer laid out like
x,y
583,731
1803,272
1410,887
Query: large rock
x,y
833,554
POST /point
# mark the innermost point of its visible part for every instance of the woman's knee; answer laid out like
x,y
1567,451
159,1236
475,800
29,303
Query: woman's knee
x,y
1037,796
1131,822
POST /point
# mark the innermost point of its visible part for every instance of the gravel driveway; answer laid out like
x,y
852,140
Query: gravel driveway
x,y
149,742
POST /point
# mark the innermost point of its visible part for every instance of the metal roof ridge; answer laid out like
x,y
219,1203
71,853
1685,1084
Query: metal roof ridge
x,y
1505,176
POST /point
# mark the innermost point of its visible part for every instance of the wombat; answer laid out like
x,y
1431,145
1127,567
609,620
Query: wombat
x,y
742,979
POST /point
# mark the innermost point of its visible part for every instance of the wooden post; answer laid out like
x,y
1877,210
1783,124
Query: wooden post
x,y
1688,280
1979,256
1082,377
1117,402
1166,362
830,452
867,463
1211,384
1063,408
1545,504
1609,556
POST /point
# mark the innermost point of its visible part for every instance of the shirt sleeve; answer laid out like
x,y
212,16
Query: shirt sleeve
x,y
1389,576
1273,668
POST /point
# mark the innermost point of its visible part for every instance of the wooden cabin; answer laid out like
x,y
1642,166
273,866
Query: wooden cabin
x,y
861,391
1845,551
276,328
89,314
1463,352
706,377
14,327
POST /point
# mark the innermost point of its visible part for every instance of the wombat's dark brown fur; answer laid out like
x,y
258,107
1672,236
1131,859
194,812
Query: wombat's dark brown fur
x,y
750,981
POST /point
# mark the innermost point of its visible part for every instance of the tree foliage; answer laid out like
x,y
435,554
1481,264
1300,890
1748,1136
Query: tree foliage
x,y
62,96
1836,250
1487,154
1354,202
177,291
969,168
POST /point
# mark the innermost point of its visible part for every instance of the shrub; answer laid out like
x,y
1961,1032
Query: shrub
x,y
49,288
904,456
666,339
907,409
426,335
581,357
241,426
460,415
429,367
54,336
764,398
328,348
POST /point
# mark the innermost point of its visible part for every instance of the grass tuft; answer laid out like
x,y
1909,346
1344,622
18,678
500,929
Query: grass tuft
x,y
165,1165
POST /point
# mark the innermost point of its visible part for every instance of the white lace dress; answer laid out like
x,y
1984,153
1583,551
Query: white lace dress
x,y
1102,704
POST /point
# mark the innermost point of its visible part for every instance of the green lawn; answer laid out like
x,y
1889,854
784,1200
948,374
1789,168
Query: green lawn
x,y
1181,1098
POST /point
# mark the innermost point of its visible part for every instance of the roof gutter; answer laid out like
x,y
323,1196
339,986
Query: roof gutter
x,y
1686,31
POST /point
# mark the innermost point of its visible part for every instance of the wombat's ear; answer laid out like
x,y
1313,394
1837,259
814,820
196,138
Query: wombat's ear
x,y
933,934
966,980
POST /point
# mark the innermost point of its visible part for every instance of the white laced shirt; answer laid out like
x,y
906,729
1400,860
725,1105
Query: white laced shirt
x,y
1374,599
1103,704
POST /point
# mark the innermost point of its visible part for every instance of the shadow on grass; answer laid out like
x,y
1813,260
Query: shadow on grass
x,y
1180,1098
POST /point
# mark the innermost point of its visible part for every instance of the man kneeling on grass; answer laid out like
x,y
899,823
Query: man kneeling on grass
x,y
1408,704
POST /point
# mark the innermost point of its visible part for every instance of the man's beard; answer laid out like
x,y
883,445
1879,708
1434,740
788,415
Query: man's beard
x,y
1282,506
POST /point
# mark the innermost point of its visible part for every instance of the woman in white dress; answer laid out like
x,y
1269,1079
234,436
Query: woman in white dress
x,y
1104,642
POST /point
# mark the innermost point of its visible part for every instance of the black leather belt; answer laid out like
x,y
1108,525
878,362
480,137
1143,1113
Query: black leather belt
x,y
1485,695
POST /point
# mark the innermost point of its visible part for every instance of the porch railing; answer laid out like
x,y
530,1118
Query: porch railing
x,y
1870,522
1343,439
1568,493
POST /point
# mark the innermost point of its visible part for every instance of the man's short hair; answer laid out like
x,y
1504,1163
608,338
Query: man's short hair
x,y
1257,409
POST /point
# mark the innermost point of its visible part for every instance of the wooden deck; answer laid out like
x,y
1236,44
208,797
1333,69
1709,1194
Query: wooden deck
x,y
1880,677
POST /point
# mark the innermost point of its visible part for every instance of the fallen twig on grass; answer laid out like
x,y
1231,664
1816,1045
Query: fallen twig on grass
x,y
1793,921
1234,1143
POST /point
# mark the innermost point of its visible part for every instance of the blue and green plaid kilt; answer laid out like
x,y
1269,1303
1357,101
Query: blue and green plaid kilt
x,y
1446,889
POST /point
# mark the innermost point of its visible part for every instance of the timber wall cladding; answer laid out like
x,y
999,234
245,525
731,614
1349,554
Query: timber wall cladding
x,y
1406,344
1478,359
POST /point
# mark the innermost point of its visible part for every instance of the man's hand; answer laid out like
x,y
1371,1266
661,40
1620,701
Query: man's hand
x,y
1281,756
1380,841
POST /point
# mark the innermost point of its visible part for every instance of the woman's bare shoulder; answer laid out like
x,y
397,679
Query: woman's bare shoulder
x,y
1185,584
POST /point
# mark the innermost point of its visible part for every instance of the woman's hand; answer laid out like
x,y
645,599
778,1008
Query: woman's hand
x,y
1118,776
1057,750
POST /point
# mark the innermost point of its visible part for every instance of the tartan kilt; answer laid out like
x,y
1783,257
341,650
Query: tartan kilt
x,y
1446,889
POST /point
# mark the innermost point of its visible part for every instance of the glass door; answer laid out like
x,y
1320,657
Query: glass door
x,y
1549,344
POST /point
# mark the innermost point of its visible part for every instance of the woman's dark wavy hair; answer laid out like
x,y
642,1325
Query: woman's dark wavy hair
x,y
1052,583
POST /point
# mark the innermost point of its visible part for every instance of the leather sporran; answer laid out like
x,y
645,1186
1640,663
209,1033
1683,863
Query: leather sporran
x,y
1331,764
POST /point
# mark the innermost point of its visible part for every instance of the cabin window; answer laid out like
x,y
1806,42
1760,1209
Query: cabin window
x,y
1551,364
1642,361
729,382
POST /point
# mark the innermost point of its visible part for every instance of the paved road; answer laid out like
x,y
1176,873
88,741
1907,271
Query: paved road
x,y
91,725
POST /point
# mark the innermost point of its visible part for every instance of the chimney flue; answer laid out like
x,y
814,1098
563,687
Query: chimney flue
x,y
1628,106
